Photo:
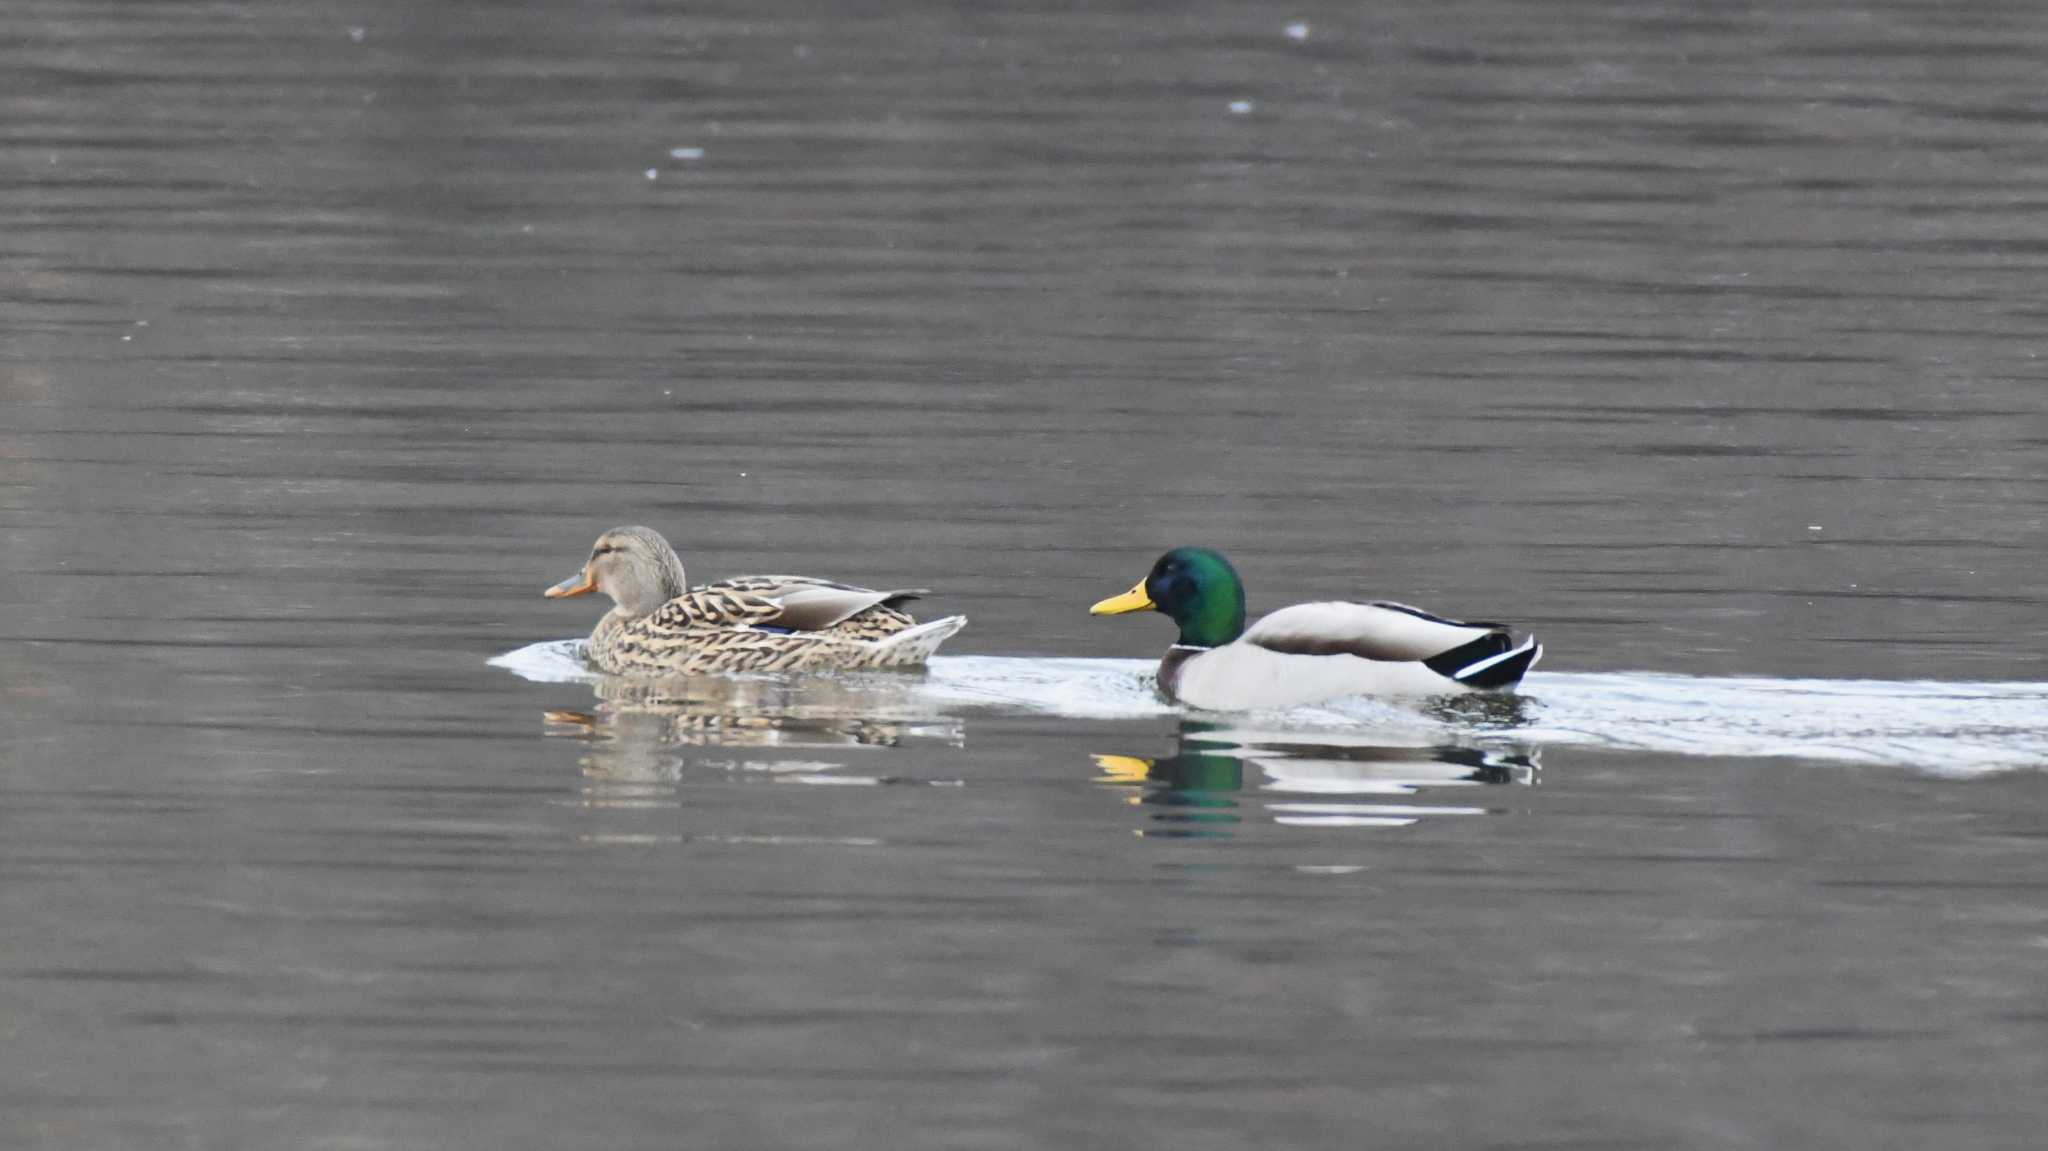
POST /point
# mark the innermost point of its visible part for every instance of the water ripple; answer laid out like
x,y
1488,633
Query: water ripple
x,y
1944,728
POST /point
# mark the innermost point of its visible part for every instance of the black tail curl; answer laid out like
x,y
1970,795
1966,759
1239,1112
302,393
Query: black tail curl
x,y
1490,662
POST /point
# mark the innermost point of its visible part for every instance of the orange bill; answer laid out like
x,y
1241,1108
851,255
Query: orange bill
x,y
578,584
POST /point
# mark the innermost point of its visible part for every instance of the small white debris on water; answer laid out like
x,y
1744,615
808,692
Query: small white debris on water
x,y
1240,107
357,32
1297,31
653,173
686,153
1814,527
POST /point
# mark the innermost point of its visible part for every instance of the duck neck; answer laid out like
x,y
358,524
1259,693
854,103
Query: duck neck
x,y
1214,620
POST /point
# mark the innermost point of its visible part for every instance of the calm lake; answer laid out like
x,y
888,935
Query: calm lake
x,y
1703,340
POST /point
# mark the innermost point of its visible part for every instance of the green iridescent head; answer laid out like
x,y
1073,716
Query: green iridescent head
x,y
1197,588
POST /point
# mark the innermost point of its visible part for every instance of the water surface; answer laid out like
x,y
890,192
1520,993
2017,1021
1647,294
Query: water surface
x,y
1702,341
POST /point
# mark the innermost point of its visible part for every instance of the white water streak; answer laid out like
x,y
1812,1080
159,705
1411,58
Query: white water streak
x,y
1956,729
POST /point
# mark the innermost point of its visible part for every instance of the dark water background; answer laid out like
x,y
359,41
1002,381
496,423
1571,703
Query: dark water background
x,y
1701,338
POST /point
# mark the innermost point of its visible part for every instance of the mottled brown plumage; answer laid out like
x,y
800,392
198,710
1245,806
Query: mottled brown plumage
x,y
661,626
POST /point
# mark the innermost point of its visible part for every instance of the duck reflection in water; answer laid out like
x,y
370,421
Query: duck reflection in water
x,y
1305,779
644,733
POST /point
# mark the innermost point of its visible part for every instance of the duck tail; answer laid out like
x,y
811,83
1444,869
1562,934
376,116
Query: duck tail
x,y
1488,663
913,645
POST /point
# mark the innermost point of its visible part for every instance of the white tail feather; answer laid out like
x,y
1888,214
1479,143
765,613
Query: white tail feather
x,y
914,645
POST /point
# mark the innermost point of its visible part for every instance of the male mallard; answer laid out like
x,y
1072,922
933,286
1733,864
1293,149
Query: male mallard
x,y
1309,652
660,625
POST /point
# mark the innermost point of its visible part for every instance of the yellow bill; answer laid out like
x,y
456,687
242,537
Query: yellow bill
x,y
1132,600
1122,768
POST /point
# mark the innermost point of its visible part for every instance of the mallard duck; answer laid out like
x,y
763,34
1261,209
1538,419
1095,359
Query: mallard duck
x,y
1309,652
660,625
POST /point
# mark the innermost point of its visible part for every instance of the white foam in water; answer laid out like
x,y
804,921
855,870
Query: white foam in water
x,y
1081,688
1946,728
556,661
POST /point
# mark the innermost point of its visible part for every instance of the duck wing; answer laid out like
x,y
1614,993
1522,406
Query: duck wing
x,y
1382,631
802,603
1477,655
713,606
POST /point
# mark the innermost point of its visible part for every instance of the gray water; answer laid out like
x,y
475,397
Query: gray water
x,y
1701,339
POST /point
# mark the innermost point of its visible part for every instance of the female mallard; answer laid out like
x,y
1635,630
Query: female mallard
x,y
1309,652
660,625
